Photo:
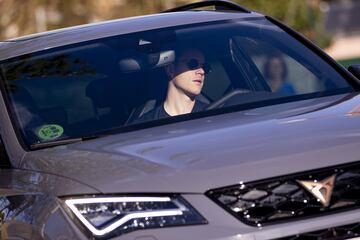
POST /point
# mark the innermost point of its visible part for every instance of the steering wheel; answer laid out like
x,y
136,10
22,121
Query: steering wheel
x,y
221,101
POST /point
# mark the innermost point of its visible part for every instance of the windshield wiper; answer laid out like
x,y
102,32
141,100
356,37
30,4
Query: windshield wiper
x,y
61,142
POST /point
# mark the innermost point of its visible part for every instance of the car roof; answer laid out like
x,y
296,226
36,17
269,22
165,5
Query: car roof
x,y
61,37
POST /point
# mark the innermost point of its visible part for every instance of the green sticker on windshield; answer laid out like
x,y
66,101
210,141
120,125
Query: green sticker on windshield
x,y
50,132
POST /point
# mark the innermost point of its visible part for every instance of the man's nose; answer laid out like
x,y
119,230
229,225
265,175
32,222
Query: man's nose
x,y
200,71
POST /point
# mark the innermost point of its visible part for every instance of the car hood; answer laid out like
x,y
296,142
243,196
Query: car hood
x,y
197,155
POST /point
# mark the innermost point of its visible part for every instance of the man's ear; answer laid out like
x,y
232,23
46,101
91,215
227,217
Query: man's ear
x,y
170,71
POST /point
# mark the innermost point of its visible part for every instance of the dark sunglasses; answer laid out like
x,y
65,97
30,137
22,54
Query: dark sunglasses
x,y
193,64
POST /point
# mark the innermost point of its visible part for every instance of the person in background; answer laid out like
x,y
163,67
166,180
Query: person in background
x,y
275,72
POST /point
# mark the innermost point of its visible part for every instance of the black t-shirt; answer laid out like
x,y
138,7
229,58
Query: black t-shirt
x,y
159,112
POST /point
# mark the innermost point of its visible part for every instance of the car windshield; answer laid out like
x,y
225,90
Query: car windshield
x,y
121,82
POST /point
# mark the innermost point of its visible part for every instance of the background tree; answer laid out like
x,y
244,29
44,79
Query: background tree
x,y
19,17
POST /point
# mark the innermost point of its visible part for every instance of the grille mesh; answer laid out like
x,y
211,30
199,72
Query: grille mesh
x,y
334,233
274,200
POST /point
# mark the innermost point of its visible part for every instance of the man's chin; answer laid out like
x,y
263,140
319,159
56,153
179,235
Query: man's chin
x,y
192,95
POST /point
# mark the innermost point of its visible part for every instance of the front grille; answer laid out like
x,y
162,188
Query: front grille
x,y
284,198
334,233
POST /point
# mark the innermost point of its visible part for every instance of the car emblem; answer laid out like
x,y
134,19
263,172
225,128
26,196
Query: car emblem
x,y
322,190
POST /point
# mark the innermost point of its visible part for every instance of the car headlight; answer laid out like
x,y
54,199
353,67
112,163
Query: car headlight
x,y
119,215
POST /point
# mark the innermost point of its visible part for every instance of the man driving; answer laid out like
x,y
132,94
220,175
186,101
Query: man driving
x,y
187,76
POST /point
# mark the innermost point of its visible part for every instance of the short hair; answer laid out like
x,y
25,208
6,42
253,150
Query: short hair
x,y
184,47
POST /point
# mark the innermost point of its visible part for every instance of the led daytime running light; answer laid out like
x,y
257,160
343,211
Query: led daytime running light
x,y
160,213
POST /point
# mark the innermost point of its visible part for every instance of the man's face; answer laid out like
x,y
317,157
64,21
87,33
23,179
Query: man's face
x,y
189,74
276,69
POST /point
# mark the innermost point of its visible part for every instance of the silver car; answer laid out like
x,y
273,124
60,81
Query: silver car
x,y
270,148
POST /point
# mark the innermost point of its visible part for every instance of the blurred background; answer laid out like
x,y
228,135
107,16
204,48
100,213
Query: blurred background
x,y
334,25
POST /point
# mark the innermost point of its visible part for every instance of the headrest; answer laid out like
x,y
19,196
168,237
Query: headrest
x,y
20,95
98,91
145,61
